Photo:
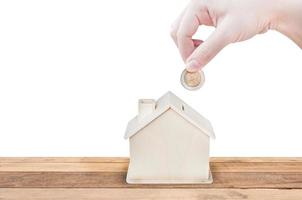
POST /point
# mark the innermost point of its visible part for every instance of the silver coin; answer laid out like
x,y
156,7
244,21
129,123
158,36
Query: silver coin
x,y
192,80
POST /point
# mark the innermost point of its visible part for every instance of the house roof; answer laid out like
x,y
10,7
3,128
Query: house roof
x,y
170,101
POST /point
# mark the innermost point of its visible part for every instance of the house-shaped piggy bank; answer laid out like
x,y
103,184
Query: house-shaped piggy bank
x,y
169,143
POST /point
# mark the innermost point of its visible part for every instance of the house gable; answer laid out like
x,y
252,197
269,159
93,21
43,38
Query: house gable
x,y
169,150
171,101
162,126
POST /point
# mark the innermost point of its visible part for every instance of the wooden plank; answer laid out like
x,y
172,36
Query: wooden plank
x,y
117,180
256,159
95,178
116,166
111,173
292,167
150,194
125,159
64,159
64,167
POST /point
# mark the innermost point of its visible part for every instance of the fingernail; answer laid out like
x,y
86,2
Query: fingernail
x,y
192,66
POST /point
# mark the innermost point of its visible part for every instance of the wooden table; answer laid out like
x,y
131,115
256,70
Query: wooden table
x,y
104,178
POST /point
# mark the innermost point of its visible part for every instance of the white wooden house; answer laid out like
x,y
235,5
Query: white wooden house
x,y
169,143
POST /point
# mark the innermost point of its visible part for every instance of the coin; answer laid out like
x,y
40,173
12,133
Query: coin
x,y
192,80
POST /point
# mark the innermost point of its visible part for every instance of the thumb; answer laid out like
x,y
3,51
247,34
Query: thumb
x,y
206,51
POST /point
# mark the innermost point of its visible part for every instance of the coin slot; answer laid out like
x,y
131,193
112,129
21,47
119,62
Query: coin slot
x,y
182,107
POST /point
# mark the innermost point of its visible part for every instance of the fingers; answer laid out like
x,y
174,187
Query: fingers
x,y
197,53
186,25
187,28
206,51
175,26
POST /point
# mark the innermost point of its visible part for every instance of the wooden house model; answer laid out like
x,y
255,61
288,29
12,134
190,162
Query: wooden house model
x,y
169,143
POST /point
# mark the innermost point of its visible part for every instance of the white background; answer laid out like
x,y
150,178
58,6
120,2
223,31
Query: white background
x,y
71,73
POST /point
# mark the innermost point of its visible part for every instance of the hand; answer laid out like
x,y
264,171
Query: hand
x,y
235,21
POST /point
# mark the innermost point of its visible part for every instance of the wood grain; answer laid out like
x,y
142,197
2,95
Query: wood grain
x,y
125,159
121,165
65,160
104,178
117,180
150,194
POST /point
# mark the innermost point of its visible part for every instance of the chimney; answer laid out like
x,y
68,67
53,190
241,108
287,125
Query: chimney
x,y
145,107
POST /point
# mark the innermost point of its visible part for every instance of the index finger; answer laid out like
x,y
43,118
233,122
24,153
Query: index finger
x,y
187,28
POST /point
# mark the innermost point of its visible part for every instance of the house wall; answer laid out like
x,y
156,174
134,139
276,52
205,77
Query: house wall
x,y
169,148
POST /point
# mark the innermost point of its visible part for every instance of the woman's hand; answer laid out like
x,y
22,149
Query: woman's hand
x,y
235,21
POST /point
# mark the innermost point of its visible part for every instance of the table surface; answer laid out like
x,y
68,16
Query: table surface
x,y
104,178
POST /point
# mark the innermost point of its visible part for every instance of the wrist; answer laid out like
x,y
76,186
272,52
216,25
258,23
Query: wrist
x,y
278,15
287,19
